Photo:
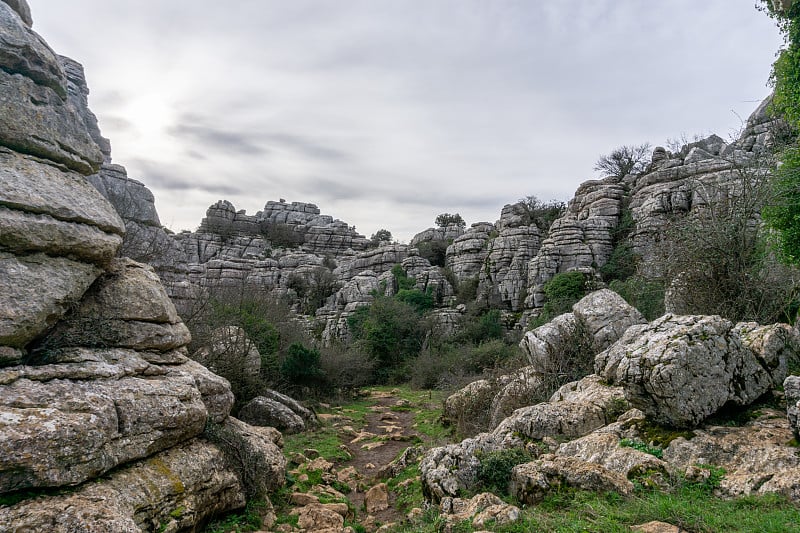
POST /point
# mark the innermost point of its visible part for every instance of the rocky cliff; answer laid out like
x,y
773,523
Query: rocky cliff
x,y
103,417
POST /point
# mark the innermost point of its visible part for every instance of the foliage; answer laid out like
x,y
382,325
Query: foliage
x,y
380,236
542,213
622,263
625,160
282,235
250,519
494,471
642,447
421,301
446,219
716,259
302,366
483,327
644,294
403,280
783,214
561,293
566,286
388,330
435,251
785,76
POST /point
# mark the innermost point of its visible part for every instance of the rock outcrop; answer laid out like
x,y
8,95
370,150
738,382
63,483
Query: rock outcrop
x,y
97,394
680,370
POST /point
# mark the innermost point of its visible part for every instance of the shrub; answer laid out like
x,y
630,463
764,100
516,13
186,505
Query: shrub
x,y
421,301
561,293
301,367
541,213
435,251
494,471
644,294
388,330
487,326
402,280
282,235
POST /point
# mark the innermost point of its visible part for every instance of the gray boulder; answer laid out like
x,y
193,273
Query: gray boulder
x,y
23,10
680,370
262,411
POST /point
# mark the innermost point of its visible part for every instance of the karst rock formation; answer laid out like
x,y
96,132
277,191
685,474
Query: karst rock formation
x,y
101,411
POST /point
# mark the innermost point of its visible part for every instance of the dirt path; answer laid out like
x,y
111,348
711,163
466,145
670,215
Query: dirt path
x,y
387,433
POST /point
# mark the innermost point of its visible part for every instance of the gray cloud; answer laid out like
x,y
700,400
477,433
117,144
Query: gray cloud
x,y
159,177
401,110
218,139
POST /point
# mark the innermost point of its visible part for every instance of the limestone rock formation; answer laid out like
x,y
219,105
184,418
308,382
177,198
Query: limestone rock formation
x,y
791,387
262,411
680,370
601,317
530,482
94,374
575,410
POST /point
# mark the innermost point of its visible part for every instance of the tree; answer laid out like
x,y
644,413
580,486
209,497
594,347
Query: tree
x,y
625,160
542,213
783,215
446,219
382,235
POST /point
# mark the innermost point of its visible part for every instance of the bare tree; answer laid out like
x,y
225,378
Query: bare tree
x,y
625,160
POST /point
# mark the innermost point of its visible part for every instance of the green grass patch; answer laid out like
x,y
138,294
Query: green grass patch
x,y
642,447
250,519
409,493
325,439
688,507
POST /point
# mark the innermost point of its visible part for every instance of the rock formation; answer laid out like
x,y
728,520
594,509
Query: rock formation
x,y
97,393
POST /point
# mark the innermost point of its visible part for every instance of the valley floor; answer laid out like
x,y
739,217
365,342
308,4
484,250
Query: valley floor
x,y
359,469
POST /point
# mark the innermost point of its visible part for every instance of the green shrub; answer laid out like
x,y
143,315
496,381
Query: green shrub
x,y
389,331
645,295
561,293
494,471
421,301
302,366
642,447
434,251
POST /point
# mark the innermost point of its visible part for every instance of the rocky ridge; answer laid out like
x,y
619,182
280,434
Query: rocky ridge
x,y
97,394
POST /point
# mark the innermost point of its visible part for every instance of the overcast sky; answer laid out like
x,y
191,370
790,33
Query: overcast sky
x,y
387,112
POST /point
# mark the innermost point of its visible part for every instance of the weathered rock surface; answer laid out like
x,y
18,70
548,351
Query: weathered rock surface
x,y
23,10
261,411
597,320
95,378
756,457
576,409
680,370
791,387
530,482
175,489
481,508
36,117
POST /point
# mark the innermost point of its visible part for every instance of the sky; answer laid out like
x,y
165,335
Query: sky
x,y
386,113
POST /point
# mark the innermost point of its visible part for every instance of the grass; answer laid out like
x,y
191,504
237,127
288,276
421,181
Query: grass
x,y
689,507
250,519
324,439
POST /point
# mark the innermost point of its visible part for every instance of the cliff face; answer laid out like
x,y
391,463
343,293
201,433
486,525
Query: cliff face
x,y
94,376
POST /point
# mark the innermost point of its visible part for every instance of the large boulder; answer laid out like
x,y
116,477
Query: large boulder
x,y
262,411
174,490
23,10
36,116
680,370
530,482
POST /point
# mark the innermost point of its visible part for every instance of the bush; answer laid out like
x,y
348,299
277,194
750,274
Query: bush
x,y
389,331
561,293
482,328
434,251
421,301
282,235
494,472
301,367
645,295
402,280
541,213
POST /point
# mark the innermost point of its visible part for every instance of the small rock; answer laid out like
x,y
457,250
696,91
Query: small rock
x,y
302,499
377,498
311,453
316,516
656,527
